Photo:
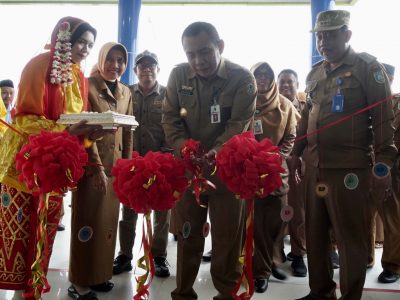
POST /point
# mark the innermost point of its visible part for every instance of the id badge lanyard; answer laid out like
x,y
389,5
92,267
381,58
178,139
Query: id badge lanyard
x,y
338,99
215,110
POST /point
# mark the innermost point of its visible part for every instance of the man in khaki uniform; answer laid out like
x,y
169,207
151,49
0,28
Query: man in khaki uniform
x,y
209,99
288,85
147,96
389,209
339,180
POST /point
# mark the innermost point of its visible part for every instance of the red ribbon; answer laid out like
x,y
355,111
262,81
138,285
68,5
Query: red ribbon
x,y
142,291
247,274
12,128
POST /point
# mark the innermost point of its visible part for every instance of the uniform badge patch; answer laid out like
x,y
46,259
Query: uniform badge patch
x,y
85,233
206,229
186,230
321,190
380,170
251,89
379,76
287,213
351,181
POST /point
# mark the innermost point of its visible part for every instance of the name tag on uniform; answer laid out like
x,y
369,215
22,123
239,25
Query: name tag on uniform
x,y
337,103
258,129
215,114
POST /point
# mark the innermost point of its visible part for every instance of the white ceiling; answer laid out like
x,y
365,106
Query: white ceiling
x,y
264,2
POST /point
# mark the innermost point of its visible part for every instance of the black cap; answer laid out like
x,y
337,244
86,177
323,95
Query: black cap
x,y
6,83
144,54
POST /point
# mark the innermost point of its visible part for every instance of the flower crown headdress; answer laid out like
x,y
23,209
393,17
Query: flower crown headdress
x,y
61,68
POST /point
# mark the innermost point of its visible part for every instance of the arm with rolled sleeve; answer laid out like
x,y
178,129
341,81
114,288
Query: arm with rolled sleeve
x,y
382,117
243,109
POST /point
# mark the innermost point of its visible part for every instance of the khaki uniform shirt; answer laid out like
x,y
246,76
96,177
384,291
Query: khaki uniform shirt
x,y
113,145
149,136
348,143
187,109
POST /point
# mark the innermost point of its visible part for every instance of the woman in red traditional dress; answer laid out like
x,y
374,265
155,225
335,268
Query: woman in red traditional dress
x,y
51,84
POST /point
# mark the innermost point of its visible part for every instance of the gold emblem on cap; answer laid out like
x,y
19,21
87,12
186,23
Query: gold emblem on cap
x,y
321,190
183,112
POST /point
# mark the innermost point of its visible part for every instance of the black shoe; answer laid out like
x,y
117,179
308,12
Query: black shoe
x,y
308,297
73,293
278,273
298,266
335,259
103,287
388,276
207,256
60,227
175,237
161,266
289,256
122,263
260,285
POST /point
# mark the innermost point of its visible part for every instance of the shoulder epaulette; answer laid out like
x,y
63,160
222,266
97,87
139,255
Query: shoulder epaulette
x,y
368,58
318,63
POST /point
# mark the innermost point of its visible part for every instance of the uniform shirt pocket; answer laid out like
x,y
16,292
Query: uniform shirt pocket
x,y
187,101
354,98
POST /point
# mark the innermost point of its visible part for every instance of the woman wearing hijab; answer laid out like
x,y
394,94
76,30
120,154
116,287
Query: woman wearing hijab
x,y
95,207
44,94
276,119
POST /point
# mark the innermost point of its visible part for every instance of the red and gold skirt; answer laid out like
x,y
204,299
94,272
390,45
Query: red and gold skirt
x,y
18,222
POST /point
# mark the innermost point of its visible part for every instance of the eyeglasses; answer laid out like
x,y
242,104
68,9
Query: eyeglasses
x,y
146,66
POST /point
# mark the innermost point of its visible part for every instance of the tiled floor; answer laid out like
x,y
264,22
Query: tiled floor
x,y
292,288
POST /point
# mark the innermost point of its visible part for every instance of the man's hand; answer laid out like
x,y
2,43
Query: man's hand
x,y
82,128
210,157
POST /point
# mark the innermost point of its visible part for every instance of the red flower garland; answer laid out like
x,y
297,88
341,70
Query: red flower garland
x,y
250,168
51,162
155,181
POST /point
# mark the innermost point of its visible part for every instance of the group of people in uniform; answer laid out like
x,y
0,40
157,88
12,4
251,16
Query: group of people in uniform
x,y
338,142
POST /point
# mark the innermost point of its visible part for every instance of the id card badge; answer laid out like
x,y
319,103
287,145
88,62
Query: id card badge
x,y
337,103
258,128
215,114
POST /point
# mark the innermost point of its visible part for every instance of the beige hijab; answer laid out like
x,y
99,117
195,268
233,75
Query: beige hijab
x,y
274,110
99,67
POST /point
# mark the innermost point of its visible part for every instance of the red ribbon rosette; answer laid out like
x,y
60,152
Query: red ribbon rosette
x,y
49,162
193,156
249,169
153,182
